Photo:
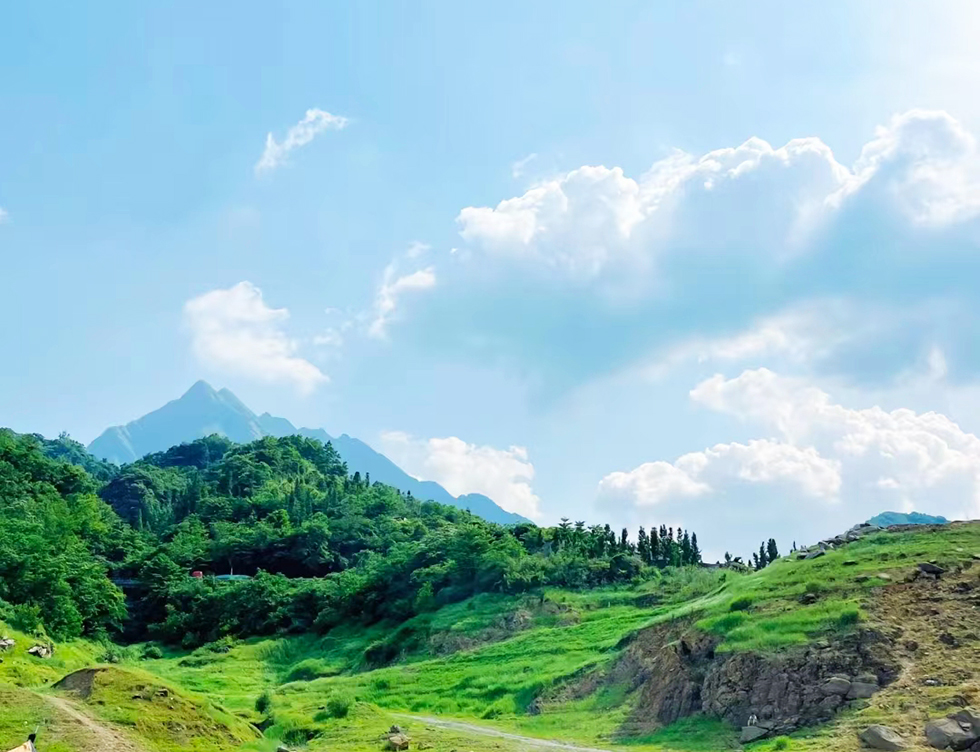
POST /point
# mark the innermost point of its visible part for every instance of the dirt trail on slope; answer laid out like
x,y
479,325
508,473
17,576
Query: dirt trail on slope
x,y
106,739
472,728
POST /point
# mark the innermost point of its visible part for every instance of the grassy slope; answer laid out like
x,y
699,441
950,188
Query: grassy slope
x,y
506,661
177,721
494,682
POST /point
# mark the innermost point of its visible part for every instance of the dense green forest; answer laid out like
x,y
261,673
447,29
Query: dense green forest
x,y
309,544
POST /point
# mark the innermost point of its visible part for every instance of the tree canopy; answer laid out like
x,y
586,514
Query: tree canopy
x,y
316,545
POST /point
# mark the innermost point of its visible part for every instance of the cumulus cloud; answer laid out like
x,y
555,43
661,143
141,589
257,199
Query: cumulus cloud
x,y
393,286
505,475
824,467
235,332
771,200
729,255
313,124
4,216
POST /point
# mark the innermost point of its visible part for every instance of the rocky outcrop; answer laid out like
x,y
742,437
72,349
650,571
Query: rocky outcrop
x,y
800,687
882,737
678,674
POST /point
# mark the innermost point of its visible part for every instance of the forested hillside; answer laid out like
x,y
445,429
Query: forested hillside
x,y
309,545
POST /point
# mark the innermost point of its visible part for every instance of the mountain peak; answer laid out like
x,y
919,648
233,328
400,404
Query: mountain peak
x,y
199,389
202,411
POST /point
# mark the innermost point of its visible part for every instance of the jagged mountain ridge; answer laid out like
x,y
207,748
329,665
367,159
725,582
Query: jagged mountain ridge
x,y
202,410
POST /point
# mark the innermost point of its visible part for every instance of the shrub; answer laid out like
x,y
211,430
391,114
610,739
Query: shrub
x,y
152,652
115,654
848,618
263,703
814,587
339,705
26,618
740,604
501,707
221,645
781,742
308,670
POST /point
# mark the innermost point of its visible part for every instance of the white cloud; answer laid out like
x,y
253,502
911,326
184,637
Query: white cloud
x,y
800,335
921,452
518,168
753,199
417,248
828,466
235,332
329,338
652,482
391,289
505,475
697,473
4,216
313,123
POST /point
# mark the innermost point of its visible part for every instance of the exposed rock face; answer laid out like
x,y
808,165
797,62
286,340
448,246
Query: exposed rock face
x,y
882,737
679,674
800,687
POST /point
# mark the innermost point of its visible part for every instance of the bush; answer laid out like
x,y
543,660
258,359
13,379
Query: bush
x,y
222,645
502,706
308,670
740,604
781,742
263,703
814,587
152,652
339,705
26,618
115,654
848,619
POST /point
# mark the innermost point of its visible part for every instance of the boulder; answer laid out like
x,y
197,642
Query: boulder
x,y
927,567
882,737
815,554
969,717
947,639
861,690
40,651
837,685
6,643
949,733
751,733
397,742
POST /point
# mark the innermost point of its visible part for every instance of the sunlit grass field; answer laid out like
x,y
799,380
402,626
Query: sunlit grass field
x,y
485,659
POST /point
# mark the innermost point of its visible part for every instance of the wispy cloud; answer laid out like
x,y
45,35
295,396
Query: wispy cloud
x,y
3,215
313,124
392,288
518,168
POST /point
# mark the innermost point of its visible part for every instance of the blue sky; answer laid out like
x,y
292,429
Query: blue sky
x,y
569,257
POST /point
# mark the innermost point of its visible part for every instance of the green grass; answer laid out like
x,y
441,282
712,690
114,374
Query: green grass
x,y
484,660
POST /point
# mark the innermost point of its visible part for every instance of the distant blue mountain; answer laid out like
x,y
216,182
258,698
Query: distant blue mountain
x,y
885,519
202,411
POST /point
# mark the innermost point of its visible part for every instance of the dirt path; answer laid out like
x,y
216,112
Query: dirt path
x,y
472,728
106,739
